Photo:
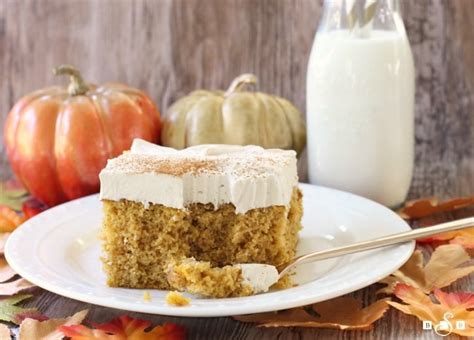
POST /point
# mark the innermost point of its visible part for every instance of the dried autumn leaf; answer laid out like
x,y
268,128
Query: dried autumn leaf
x,y
14,287
429,206
32,207
9,219
11,313
340,313
441,270
31,329
463,237
31,313
4,332
12,195
3,241
452,307
124,328
6,272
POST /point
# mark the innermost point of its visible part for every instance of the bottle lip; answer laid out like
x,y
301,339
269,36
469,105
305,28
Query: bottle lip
x,y
362,16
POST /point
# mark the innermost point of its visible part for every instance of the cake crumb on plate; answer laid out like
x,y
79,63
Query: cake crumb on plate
x,y
146,296
177,299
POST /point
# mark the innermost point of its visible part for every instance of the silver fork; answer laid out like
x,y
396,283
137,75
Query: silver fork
x,y
376,243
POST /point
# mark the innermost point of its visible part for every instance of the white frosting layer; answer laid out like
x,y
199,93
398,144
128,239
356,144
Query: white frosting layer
x,y
259,276
249,177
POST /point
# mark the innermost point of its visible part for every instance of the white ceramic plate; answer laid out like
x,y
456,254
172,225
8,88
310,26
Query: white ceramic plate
x,y
59,251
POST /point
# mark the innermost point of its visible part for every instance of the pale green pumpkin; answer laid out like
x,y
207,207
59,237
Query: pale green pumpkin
x,y
234,117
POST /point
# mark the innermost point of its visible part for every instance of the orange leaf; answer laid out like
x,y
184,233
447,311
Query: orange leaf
x,y
124,328
429,206
452,308
340,313
9,219
463,237
4,332
3,241
31,329
81,332
441,270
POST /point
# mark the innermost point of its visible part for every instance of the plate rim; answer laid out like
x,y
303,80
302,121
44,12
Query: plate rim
x,y
195,312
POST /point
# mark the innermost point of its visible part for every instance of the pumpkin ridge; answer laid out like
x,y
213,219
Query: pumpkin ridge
x,y
294,138
276,99
101,114
128,91
19,111
136,95
190,109
24,173
96,99
59,185
14,118
263,110
138,108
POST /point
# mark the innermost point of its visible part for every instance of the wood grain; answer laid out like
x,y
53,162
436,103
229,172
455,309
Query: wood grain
x,y
170,47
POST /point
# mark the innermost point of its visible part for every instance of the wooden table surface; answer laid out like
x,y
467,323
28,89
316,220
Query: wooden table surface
x,y
170,47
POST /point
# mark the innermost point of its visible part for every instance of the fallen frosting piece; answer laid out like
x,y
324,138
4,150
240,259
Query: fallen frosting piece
x,y
199,277
259,276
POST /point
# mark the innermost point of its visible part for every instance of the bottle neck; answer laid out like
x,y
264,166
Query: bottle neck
x,y
362,16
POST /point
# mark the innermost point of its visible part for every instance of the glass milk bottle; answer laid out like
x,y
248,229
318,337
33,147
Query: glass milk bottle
x,y
360,101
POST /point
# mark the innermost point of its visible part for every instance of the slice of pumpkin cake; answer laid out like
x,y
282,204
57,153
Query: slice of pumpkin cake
x,y
220,204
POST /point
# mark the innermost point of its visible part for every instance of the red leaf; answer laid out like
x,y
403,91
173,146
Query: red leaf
x,y
123,325
32,207
30,314
124,328
463,237
455,300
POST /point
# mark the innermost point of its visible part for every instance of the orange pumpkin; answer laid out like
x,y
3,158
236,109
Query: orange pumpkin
x,y
58,139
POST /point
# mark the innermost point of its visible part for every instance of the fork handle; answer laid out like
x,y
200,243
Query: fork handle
x,y
380,242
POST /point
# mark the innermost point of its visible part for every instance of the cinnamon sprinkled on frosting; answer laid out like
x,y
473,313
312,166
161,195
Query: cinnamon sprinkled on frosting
x,y
251,161
139,164
247,176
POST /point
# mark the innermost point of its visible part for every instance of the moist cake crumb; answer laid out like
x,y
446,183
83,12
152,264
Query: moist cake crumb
x,y
199,277
175,298
146,296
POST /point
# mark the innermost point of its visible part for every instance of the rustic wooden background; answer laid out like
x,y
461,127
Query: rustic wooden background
x,y
170,47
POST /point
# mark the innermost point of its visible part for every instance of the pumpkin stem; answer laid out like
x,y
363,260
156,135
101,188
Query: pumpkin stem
x,y
77,86
239,83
